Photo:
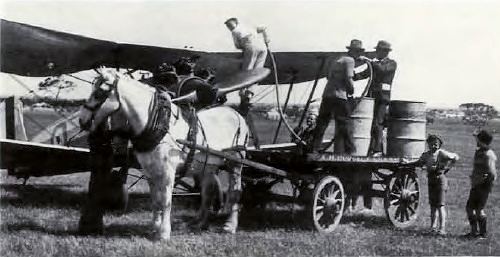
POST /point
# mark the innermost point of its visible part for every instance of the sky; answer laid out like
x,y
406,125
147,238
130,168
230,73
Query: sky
x,y
448,52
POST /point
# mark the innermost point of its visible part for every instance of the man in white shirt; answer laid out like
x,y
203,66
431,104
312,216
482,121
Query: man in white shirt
x,y
250,42
253,44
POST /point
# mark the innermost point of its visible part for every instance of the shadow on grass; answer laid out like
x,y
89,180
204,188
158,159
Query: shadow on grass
x,y
59,196
371,222
68,195
41,195
113,230
33,226
258,219
127,230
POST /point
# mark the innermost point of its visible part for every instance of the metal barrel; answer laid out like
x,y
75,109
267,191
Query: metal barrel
x,y
406,132
361,124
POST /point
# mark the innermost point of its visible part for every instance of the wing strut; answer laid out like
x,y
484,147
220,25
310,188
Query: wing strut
x,y
323,60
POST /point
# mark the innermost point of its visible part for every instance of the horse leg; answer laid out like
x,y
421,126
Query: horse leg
x,y
233,198
167,190
210,192
161,183
155,206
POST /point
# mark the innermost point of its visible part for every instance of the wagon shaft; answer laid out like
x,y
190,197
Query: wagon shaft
x,y
259,166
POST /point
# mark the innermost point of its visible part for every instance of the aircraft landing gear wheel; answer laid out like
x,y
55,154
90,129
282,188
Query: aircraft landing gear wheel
x,y
328,204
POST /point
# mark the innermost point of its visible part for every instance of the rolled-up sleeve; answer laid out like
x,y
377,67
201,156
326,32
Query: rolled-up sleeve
x,y
449,155
349,67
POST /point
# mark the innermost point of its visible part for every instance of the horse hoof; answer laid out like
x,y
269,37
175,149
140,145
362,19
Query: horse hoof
x,y
157,236
229,230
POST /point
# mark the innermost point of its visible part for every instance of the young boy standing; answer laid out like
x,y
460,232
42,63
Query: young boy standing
x,y
483,174
437,162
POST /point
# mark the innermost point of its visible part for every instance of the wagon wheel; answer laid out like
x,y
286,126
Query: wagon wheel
x,y
328,204
402,199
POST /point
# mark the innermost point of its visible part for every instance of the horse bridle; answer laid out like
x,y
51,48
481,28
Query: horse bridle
x,y
103,94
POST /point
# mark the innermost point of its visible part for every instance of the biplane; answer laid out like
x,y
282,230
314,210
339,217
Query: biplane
x,y
317,178
33,51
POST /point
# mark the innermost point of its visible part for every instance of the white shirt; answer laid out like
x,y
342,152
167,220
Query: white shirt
x,y
244,37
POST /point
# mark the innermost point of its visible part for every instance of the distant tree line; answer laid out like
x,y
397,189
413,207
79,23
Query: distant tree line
x,y
478,113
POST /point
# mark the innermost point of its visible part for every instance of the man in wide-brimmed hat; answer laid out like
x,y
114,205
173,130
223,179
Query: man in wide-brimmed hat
x,y
335,100
384,70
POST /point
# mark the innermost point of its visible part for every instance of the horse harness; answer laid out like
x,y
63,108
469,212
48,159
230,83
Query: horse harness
x,y
156,127
191,137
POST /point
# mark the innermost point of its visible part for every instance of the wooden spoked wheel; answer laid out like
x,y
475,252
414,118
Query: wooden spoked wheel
x,y
402,199
328,204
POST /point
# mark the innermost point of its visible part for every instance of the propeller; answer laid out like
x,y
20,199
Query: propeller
x,y
240,80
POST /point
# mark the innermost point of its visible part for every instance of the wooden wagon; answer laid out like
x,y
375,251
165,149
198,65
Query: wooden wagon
x,y
320,178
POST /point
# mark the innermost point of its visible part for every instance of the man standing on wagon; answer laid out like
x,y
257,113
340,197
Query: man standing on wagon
x,y
384,69
336,99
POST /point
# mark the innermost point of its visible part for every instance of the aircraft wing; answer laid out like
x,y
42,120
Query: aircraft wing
x,y
35,159
27,50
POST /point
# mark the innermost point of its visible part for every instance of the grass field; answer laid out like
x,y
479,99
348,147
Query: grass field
x,y
41,219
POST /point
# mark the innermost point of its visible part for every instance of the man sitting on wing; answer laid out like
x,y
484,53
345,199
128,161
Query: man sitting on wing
x,y
254,49
250,43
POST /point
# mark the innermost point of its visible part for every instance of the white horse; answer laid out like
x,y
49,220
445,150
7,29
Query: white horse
x,y
220,128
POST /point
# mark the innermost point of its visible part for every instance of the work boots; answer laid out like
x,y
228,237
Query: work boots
x,y
473,227
482,227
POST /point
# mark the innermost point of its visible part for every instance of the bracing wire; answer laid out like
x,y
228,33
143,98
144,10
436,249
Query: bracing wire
x,y
276,86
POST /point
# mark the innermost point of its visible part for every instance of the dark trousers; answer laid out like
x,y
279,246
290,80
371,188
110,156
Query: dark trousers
x,y
341,110
478,197
107,190
101,163
376,142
